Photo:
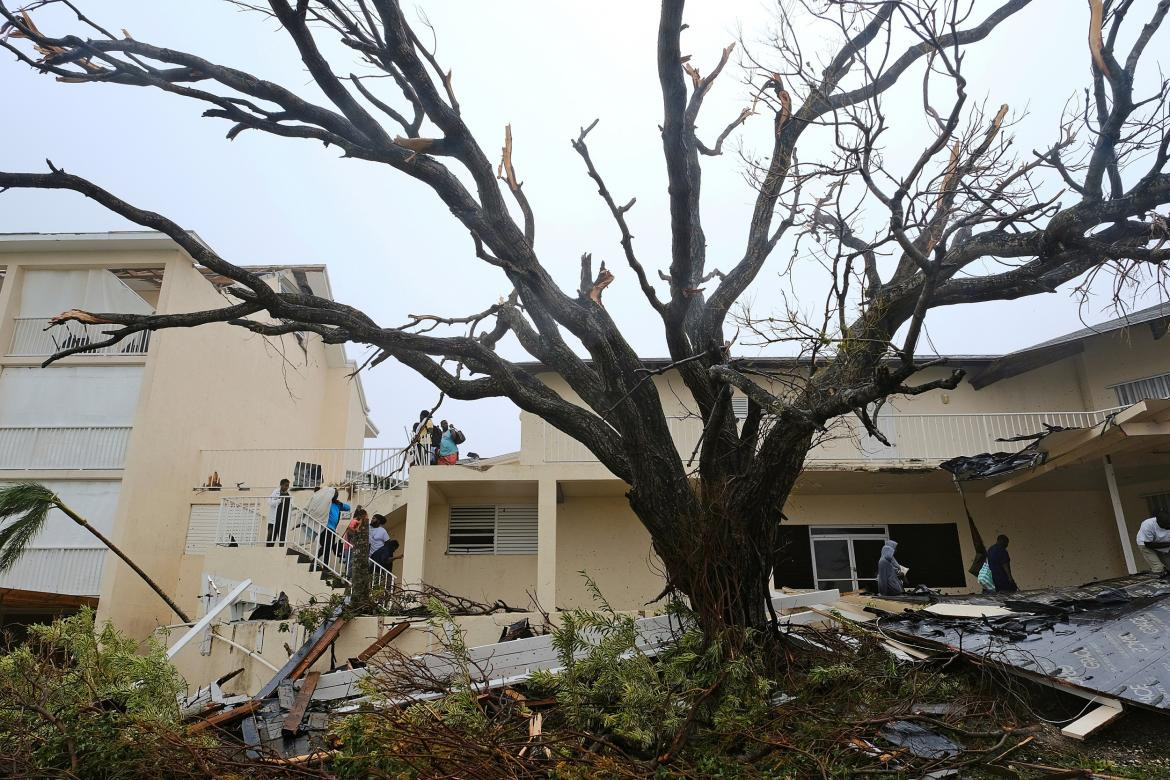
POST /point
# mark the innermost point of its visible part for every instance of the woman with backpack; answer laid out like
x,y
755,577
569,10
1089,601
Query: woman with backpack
x,y
449,444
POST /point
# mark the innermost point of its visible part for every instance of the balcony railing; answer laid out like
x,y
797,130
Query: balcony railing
x,y
243,522
75,571
32,337
48,448
930,437
379,468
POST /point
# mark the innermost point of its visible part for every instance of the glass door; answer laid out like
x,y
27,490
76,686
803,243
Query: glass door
x,y
846,557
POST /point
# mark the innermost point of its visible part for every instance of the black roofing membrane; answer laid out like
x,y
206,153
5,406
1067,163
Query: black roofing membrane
x,y
1110,637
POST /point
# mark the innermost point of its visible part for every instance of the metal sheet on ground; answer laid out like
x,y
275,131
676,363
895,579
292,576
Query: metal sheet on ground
x,y
1109,637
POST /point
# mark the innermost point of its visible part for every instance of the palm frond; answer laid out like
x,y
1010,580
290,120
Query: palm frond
x,y
24,507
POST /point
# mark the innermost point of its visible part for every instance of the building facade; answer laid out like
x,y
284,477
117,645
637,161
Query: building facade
x,y
530,526
119,433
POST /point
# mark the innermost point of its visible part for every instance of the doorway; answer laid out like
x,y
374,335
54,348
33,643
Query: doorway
x,y
846,557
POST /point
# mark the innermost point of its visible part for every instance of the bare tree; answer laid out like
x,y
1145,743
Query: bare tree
x,y
964,221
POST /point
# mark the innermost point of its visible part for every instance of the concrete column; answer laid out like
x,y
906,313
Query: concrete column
x,y
1119,516
546,544
9,305
414,545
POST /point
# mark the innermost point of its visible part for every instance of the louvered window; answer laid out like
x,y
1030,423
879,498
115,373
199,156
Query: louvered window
x,y
202,528
739,405
1141,389
487,529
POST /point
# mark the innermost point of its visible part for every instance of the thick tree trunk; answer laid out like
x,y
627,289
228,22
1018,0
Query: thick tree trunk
x,y
719,548
360,564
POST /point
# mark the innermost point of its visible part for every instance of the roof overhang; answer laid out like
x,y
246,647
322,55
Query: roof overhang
x,y
118,241
1143,427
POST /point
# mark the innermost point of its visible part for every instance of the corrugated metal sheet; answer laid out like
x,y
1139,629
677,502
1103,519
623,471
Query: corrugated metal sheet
x,y
75,571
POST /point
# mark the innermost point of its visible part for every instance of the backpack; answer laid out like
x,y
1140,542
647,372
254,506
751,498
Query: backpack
x,y
457,435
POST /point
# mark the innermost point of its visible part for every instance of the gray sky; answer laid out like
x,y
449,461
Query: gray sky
x,y
546,67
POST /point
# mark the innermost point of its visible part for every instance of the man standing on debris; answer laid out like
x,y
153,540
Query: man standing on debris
x,y
889,571
1153,539
1000,564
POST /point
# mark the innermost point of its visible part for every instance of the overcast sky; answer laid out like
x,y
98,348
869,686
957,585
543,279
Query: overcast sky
x,y
546,67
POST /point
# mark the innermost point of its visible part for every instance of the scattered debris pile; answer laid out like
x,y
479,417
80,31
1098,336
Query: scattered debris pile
x,y
1108,642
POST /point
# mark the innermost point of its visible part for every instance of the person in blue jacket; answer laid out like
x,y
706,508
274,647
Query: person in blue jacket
x,y
328,543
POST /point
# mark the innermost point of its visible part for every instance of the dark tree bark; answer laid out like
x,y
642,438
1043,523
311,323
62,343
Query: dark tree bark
x,y
965,205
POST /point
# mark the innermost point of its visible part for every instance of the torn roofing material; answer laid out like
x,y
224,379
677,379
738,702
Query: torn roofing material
x,y
1110,637
994,464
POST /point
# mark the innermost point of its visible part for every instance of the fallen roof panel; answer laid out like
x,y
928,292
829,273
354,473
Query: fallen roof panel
x,y
1110,637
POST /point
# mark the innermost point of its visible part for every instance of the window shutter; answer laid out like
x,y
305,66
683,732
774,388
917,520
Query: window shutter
x,y
516,530
201,528
1139,390
739,406
471,530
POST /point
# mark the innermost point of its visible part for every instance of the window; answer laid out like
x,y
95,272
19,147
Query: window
x,y
307,475
487,529
1158,502
845,557
1141,389
739,406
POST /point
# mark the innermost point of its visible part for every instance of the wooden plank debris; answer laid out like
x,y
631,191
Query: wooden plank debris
x,y
317,649
967,610
224,718
1099,717
292,721
295,661
782,601
393,633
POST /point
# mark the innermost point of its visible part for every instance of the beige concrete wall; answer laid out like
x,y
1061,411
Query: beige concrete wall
x,y
212,387
1052,388
1057,537
269,568
1123,356
484,578
602,537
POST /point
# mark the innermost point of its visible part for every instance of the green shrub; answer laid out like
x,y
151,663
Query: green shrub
x,y
85,700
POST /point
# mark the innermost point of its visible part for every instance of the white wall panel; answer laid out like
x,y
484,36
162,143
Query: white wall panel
x,y
69,396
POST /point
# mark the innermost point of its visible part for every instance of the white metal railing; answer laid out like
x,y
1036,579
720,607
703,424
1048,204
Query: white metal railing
x,y
913,436
243,522
29,448
379,468
33,337
76,571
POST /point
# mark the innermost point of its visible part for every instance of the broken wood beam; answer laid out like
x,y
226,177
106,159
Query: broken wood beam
x,y
224,718
294,662
393,633
292,722
317,649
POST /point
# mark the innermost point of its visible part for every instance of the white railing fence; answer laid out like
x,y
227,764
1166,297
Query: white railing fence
x,y
913,436
32,337
380,468
243,522
29,448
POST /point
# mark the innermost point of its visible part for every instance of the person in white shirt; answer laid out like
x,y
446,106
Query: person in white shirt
x,y
278,507
1153,539
382,547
